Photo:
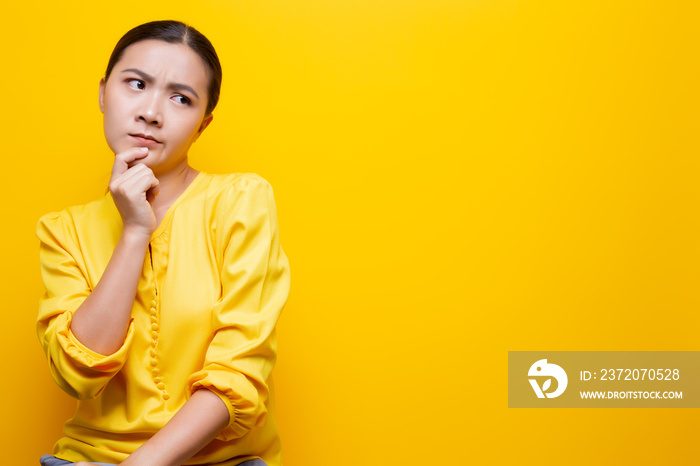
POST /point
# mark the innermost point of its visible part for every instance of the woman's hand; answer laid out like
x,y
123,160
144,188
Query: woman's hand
x,y
133,190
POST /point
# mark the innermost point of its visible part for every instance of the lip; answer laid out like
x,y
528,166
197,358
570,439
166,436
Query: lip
x,y
144,139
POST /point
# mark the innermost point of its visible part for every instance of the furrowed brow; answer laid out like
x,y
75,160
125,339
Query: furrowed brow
x,y
141,74
183,87
174,86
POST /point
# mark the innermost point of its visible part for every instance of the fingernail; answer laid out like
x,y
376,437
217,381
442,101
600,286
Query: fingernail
x,y
143,149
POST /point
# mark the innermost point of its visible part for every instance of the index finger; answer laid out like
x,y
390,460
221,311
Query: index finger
x,y
123,159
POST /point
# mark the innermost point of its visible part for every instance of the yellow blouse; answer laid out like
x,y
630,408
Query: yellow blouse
x,y
214,282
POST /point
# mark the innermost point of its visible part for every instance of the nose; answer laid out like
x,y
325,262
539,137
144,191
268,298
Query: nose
x,y
150,111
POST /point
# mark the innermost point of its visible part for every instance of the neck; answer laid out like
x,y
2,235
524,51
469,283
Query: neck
x,y
173,183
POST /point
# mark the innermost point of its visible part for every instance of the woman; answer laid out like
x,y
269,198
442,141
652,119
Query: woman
x,y
162,297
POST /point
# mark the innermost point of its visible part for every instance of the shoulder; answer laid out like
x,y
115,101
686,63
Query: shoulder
x,y
240,200
236,181
237,189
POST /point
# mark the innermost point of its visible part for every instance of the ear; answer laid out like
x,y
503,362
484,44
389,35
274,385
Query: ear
x,y
102,95
204,125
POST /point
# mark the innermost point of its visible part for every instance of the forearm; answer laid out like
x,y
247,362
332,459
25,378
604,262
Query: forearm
x,y
196,424
102,320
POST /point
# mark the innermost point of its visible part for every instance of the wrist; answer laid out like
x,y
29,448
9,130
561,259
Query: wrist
x,y
136,236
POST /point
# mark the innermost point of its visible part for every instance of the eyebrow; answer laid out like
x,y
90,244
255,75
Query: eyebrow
x,y
148,77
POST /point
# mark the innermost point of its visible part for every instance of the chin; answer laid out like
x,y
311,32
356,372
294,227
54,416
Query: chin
x,y
143,161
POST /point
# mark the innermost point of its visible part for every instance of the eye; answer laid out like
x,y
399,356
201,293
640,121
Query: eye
x,y
136,84
181,99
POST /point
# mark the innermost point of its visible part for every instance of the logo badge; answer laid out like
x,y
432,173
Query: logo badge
x,y
542,369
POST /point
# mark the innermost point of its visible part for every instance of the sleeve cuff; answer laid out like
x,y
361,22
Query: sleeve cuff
x,y
86,357
233,430
227,403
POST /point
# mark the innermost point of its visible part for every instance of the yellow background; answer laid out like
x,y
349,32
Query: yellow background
x,y
454,179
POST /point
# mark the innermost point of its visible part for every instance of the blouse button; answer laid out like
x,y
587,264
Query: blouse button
x,y
153,352
161,386
155,374
154,319
153,311
157,380
154,362
166,396
153,303
154,326
154,335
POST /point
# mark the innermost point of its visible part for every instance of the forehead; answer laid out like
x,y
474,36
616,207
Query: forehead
x,y
171,62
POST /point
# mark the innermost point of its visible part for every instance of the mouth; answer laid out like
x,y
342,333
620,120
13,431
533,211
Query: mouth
x,y
144,139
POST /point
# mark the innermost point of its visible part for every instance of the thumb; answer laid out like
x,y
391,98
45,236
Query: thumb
x,y
153,191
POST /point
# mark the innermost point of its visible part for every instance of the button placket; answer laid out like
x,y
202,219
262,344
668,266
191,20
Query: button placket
x,y
154,317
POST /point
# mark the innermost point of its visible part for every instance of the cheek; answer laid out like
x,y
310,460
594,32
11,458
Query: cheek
x,y
110,124
113,113
115,123
187,129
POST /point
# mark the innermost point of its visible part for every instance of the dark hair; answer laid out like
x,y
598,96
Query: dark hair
x,y
174,32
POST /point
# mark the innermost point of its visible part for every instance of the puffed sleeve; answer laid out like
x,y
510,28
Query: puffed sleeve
x,y
79,371
255,285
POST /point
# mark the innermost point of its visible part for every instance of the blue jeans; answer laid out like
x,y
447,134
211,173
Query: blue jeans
x,y
48,460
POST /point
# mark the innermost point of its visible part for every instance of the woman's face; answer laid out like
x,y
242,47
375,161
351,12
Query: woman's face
x,y
156,97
